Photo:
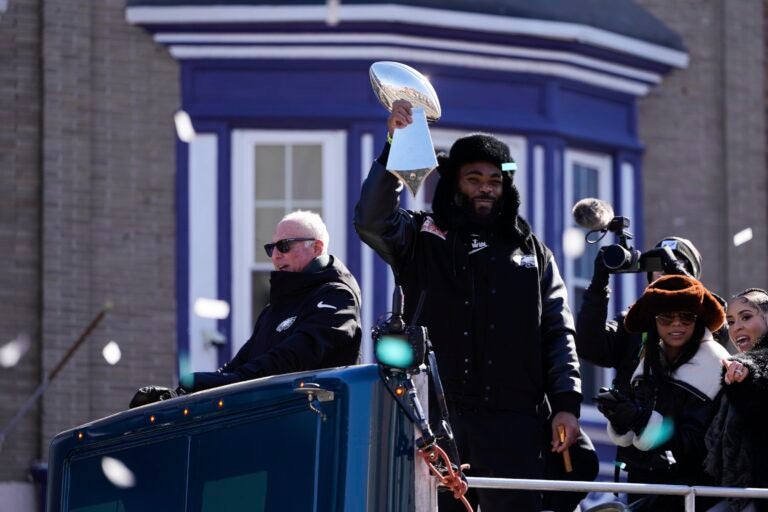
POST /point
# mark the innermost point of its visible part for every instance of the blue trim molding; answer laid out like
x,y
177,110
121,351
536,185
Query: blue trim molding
x,y
182,256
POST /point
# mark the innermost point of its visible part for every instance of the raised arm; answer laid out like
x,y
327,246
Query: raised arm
x,y
379,220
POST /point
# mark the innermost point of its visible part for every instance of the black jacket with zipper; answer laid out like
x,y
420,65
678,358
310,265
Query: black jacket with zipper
x,y
312,322
495,305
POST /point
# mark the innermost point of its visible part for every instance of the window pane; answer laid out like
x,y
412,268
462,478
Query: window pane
x,y
159,464
585,184
307,172
585,181
245,492
259,293
264,223
231,466
269,171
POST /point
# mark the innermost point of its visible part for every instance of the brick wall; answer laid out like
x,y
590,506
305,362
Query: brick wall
x,y
704,131
108,232
20,216
91,217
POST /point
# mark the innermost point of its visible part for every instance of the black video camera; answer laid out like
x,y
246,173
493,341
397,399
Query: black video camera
x,y
399,347
622,258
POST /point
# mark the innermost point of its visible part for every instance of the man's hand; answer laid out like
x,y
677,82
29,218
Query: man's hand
x,y
734,371
571,426
400,117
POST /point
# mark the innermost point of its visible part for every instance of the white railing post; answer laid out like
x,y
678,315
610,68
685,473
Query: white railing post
x,y
690,501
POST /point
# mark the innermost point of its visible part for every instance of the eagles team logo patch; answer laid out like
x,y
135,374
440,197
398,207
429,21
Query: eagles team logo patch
x,y
285,324
429,226
524,260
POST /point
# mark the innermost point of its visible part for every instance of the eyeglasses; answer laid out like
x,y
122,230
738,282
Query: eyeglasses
x,y
685,318
284,245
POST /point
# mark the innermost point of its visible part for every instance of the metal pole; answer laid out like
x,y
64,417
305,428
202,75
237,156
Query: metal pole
x,y
690,501
29,402
632,488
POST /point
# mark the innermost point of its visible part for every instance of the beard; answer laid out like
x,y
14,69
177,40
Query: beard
x,y
482,216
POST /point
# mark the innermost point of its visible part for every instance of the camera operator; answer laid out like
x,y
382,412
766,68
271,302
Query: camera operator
x,y
604,342
607,343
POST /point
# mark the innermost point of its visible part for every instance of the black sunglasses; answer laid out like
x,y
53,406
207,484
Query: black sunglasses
x,y
685,317
284,245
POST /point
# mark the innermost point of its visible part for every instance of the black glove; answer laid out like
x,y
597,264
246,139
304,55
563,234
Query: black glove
x,y
670,264
622,412
152,394
205,380
600,275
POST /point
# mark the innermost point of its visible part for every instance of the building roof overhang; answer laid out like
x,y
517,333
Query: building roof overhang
x,y
502,36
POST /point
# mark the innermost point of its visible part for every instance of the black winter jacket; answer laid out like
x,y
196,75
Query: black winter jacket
x,y
737,440
682,411
496,309
605,342
311,322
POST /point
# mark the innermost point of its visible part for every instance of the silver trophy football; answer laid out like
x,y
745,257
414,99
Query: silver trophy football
x,y
412,155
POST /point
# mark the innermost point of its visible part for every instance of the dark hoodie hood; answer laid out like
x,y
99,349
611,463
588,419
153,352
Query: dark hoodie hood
x,y
476,147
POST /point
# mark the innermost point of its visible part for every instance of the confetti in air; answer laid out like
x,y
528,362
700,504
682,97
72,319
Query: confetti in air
x,y
111,353
211,308
332,18
12,352
117,473
573,242
742,237
184,129
660,433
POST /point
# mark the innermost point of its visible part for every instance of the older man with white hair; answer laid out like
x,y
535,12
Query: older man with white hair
x,y
312,320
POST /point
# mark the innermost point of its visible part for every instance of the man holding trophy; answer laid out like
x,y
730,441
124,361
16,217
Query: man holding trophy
x,y
494,303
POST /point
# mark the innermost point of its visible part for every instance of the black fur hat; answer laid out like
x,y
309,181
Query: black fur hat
x,y
475,147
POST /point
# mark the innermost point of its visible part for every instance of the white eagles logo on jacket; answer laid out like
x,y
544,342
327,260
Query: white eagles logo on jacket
x,y
285,324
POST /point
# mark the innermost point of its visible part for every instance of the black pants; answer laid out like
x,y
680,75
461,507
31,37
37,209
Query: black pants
x,y
498,445
586,466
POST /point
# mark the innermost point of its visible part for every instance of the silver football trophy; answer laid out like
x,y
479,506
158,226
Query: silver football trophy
x,y
412,155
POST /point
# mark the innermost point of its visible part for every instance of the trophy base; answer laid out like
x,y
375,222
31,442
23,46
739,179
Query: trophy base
x,y
413,179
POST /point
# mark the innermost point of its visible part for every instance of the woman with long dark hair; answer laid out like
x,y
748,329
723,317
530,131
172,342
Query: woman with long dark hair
x,y
737,440
674,390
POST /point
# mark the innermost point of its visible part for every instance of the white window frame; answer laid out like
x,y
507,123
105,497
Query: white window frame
x,y
334,200
603,163
202,253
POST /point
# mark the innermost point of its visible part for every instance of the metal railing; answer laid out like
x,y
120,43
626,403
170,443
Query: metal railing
x,y
689,493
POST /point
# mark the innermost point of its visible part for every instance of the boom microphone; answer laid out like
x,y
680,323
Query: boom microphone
x,y
592,214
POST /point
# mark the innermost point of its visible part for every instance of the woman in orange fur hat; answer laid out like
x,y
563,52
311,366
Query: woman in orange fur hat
x,y
675,388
